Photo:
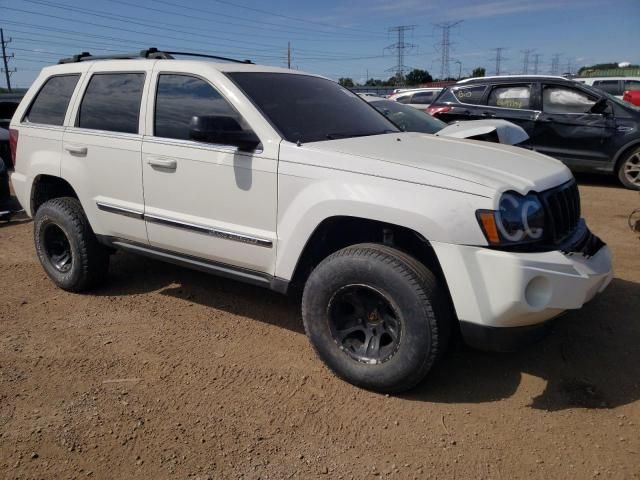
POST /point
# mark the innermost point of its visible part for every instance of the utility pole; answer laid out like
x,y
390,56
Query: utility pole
x,y
569,66
400,47
445,47
536,62
5,58
525,61
499,58
289,55
555,64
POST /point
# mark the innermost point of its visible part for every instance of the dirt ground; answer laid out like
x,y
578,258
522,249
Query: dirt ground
x,y
170,373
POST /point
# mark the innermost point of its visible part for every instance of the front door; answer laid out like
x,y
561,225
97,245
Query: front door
x,y
205,200
568,131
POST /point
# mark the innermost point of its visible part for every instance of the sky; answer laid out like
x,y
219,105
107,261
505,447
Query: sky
x,y
332,38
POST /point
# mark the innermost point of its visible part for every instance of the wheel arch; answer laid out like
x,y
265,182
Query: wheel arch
x,y
47,187
622,151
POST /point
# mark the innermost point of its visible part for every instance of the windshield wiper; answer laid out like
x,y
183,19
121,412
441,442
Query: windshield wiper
x,y
338,135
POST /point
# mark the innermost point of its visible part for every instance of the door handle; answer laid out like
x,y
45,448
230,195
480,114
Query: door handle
x,y
167,163
76,150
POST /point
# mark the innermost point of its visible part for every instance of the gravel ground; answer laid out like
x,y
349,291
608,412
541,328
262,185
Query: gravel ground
x,y
170,373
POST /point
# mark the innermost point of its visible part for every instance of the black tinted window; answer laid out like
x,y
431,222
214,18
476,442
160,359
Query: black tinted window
x,y
610,86
181,97
310,109
404,99
50,105
471,95
632,84
514,96
112,102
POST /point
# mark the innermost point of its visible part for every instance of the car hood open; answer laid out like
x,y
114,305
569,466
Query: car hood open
x,y
466,165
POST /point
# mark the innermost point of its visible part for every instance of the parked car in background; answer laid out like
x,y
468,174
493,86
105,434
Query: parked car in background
x,y
410,119
615,86
632,96
419,98
586,128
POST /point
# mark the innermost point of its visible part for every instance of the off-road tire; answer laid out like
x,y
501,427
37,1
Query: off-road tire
x,y
89,262
424,314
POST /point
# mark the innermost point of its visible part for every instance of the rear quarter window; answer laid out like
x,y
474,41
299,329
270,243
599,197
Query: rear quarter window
x,y
472,95
49,107
112,102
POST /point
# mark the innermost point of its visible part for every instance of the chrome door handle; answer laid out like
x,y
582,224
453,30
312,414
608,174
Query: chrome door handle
x,y
76,150
167,163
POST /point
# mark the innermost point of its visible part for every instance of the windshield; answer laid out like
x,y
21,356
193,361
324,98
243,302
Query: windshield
x,y
310,109
408,118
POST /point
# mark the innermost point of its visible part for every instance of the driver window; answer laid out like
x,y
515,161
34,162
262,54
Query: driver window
x,y
557,99
181,97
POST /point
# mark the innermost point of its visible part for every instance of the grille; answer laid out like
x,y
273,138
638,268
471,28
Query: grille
x,y
562,210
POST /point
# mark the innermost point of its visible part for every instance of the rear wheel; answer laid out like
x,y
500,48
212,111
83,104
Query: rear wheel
x,y
376,316
629,169
67,247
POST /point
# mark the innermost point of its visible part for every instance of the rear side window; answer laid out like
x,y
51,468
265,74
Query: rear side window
x,y
610,86
422,98
50,105
472,95
557,99
404,99
112,102
181,97
514,96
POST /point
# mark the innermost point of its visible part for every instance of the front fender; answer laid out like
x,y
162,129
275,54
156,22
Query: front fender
x,y
304,203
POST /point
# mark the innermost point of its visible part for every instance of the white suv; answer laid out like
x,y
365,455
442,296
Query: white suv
x,y
284,179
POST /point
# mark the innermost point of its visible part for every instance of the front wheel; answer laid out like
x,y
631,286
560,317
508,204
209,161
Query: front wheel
x,y
376,316
629,170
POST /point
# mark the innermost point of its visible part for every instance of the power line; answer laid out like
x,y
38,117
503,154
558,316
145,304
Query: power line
x,y
525,59
5,59
499,58
445,47
401,47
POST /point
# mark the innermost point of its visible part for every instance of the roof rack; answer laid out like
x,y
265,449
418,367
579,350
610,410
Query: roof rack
x,y
151,53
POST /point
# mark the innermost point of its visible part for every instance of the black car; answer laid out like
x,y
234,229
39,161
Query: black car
x,y
584,127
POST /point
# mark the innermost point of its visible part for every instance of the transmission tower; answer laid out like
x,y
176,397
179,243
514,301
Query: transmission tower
x,y
525,60
401,48
5,58
445,47
499,58
555,64
536,62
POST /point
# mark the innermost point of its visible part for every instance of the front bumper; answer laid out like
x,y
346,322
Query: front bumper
x,y
498,289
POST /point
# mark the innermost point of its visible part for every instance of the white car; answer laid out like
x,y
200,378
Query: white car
x,y
284,179
615,86
419,98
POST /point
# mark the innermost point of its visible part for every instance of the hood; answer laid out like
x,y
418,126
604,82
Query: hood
x,y
423,158
508,133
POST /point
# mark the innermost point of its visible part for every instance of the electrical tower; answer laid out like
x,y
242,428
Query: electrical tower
x,y
525,60
569,66
5,59
499,58
445,47
401,48
555,64
536,62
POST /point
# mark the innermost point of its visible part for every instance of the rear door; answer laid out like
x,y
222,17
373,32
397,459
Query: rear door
x,y
568,131
513,102
460,103
101,154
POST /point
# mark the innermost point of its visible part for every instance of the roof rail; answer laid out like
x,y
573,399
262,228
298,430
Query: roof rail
x,y
151,53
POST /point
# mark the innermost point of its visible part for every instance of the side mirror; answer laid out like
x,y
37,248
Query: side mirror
x,y
600,106
223,130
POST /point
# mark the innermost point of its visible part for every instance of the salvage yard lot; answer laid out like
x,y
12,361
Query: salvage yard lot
x,y
170,373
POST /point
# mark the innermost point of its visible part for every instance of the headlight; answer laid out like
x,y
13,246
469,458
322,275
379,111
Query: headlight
x,y
519,219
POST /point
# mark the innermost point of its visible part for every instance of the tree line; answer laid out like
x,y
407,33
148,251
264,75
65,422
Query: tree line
x,y
416,76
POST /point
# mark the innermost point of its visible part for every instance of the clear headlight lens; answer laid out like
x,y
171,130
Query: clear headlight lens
x,y
519,219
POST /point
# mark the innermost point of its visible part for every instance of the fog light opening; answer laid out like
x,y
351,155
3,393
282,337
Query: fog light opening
x,y
538,292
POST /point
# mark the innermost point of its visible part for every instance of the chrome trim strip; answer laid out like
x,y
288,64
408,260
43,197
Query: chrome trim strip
x,y
120,210
214,232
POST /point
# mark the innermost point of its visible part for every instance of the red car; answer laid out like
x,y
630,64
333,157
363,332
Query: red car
x,y
632,96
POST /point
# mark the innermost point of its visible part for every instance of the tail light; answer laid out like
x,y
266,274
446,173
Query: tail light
x,y
13,145
433,111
